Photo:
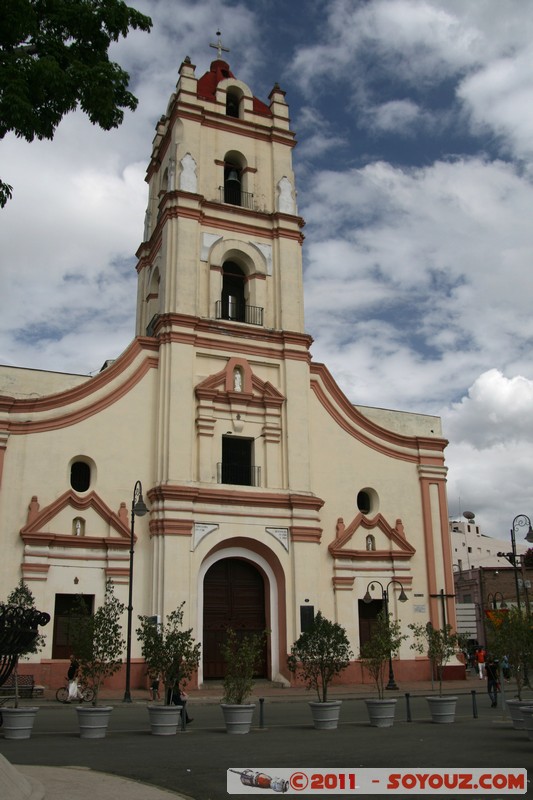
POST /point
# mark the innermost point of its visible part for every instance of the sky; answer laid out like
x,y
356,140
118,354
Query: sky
x,y
414,169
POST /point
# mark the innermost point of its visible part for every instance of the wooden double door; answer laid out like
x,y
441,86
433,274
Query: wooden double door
x,y
234,597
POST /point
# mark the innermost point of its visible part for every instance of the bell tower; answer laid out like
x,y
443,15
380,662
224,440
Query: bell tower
x,y
220,287
222,238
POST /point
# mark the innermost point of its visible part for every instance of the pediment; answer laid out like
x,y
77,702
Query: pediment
x,y
237,382
74,521
389,542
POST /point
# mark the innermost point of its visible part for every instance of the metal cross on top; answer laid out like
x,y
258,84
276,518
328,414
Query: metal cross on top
x,y
219,48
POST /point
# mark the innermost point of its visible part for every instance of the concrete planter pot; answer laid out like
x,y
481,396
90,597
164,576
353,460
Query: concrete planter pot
x,y
442,708
17,723
164,720
93,721
238,718
381,712
527,716
326,715
517,718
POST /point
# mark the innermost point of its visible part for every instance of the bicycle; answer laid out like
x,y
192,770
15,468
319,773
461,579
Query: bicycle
x,y
87,694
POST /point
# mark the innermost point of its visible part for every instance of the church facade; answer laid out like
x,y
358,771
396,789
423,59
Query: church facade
x,y
270,495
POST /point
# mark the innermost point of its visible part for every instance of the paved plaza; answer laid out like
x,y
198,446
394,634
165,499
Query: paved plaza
x,y
194,763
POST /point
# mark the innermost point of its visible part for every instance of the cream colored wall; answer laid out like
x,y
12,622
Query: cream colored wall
x,y
120,441
29,383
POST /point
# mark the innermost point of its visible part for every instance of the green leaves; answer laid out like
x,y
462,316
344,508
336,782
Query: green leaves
x,y
510,634
439,644
242,655
320,654
54,58
169,650
97,640
385,641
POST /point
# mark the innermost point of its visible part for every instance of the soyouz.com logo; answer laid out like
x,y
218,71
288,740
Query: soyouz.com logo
x,y
261,781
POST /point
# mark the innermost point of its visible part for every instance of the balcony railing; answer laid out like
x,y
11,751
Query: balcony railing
x,y
235,197
238,312
238,474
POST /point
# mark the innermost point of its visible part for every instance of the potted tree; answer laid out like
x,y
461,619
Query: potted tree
x,y
317,656
20,626
171,656
242,654
98,644
384,644
439,644
509,633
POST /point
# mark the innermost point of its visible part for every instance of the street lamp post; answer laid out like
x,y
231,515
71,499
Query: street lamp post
x,y
518,522
492,599
402,597
138,509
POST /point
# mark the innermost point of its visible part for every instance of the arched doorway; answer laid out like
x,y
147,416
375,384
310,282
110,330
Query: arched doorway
x,y
234,597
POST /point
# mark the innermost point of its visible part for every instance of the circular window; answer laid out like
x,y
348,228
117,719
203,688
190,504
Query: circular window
x,y
80,475
367,501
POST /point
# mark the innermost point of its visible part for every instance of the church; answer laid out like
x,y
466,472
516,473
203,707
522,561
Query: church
x,y
269,494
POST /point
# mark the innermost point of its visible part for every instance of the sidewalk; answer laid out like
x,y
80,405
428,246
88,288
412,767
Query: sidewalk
x,y
77,782
213,691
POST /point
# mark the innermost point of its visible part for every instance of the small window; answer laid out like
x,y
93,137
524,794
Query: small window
x,y
363,502
80,476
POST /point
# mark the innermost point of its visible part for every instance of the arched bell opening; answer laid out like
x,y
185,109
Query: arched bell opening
x,y
233,299
232,184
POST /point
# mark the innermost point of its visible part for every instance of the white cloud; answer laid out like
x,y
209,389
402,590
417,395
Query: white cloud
x,y
398,116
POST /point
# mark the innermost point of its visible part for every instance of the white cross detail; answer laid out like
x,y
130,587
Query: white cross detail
x,y
219,48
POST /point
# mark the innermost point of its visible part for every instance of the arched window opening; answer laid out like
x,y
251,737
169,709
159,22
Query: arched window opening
x,y
232,184
233,300
233,104
80,476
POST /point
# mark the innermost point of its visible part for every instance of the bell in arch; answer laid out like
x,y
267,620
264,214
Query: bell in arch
x,y
233,178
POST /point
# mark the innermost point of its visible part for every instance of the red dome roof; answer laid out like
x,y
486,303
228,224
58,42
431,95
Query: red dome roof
x,y
220,71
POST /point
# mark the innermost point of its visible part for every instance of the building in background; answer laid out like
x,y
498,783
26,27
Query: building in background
x,y
484,578
270,494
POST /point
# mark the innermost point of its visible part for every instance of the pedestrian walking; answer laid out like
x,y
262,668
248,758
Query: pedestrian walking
x,y
493,679
72,677
480,661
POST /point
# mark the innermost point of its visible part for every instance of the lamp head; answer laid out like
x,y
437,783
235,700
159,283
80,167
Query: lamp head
x,y
402,597
367,598
140,508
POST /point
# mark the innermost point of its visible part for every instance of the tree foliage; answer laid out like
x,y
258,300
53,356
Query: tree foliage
x,y
170,652
510,633
20,601
54,57
242,655
320,654
97,640
439,644
384,643
22,596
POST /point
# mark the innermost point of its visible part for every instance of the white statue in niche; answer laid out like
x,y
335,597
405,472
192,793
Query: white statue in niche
x,y
78,527
237,380
285,199
171,175
370,542
188,180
